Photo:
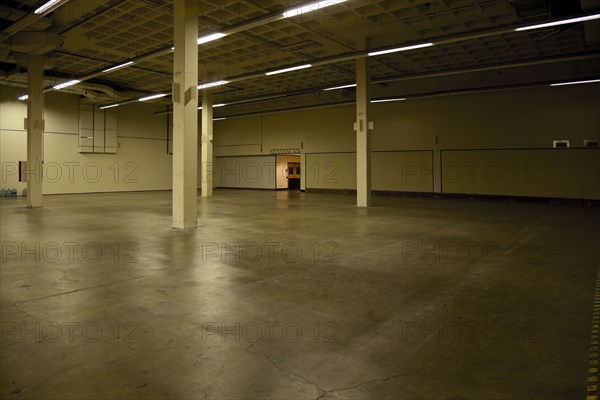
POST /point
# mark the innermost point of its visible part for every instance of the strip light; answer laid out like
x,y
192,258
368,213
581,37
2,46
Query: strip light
x,y
154,96
210,37
281,71
310,7
405,48
341,87
386,100
66,84
575,83
118,66
24,97
212,84
109,106
219,119
561,22
49,6
215,106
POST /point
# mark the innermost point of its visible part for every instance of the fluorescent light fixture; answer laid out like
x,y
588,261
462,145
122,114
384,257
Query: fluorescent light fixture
x,y
561,22
397,49
154,96
109,106
219,119
24,97
47,7
210,38
118,66
576,83
215,106
386,100
281,71
341,87
66,84
310,7
212,84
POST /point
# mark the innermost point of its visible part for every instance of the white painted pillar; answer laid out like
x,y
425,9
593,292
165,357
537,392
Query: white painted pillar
x,y
35,130
207,143
302,170
185,114
363,133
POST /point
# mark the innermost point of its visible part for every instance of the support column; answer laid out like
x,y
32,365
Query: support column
x,y
363,132
207,143
35,130
185,114
303,170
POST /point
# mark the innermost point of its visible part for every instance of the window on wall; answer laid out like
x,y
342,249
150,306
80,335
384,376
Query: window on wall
x,y
97,130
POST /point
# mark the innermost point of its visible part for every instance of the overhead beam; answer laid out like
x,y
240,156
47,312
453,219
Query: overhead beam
x,y
365,53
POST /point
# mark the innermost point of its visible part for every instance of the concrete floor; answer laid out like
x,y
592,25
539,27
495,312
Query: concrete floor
x,y
410,299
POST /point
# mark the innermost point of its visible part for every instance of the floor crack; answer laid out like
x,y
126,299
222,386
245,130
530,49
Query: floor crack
x,y
323,392
386,379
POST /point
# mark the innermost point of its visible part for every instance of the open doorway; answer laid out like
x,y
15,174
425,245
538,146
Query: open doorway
x,y
288,172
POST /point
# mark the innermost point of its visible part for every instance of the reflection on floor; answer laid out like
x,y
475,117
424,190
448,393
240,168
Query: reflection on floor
x,y
287,295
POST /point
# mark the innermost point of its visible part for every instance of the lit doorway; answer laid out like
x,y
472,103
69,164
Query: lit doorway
x,y
288,172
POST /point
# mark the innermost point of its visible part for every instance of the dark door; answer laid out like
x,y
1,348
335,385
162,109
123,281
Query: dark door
x,y
293,176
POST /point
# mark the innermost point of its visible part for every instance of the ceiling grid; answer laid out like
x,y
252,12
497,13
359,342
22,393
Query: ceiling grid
x,y
113,32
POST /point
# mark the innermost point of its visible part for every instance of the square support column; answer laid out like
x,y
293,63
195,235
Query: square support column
x,y
185,114
363,133
207,144
35,130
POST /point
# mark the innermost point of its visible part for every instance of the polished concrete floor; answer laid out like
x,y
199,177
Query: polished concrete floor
x,y
296,296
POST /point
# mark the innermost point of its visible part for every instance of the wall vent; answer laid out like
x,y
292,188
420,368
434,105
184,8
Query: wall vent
x,y
285,151
561,143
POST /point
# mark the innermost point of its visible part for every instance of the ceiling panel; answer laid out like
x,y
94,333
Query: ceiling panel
x,y
102,33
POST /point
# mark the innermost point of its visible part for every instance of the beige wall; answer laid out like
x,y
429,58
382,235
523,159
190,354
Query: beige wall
x,y
526,118
404,139
141,162
248,172
565,173
404,171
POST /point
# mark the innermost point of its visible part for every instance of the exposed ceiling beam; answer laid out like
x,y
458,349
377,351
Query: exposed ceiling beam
x,y
429,75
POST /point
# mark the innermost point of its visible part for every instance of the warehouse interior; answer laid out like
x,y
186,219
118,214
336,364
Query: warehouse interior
x,y
288,199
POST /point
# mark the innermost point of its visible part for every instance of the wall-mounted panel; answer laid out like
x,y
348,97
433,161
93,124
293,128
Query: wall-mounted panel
x,y
330,171
402,171
97,130
248,172
555,173
394,171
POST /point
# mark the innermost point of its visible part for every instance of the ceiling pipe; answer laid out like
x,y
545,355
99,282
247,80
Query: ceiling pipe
x,y
24,22
332,59
486,89
365,53
92,91
483,68
319,62
230,30
375,81
14,15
